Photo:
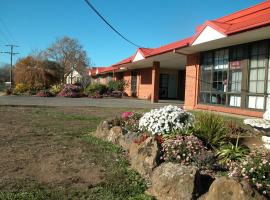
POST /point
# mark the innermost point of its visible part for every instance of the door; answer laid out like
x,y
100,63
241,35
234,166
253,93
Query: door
x,y
133,84
163,86
172,86
181,83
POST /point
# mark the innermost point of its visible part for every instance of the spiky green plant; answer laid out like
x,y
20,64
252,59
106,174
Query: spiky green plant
x,y
210,128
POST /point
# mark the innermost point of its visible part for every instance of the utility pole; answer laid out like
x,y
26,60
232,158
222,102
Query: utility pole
x,y
11,53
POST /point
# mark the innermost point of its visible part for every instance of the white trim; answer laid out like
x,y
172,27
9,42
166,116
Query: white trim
x,y
208,34
138,57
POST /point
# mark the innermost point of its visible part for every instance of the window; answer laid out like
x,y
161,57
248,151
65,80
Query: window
x,y
214,77
237,55
206,76
238,76
257,69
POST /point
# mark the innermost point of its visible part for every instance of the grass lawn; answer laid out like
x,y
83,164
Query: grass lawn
x,y
47,153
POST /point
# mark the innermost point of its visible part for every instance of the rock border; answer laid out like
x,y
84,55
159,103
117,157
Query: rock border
x,y
170,181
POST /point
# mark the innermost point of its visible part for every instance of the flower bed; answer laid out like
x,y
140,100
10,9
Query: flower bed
x,y
71,91
203,142
255,168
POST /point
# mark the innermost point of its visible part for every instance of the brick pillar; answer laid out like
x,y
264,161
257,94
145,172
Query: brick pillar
x,y
155,82
192,81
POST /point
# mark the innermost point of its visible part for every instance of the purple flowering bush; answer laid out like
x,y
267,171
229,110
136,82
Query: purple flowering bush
x,y
255,168
70,90
182,149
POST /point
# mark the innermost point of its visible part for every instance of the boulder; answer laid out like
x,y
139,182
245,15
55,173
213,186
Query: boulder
x,y
115,134
225,188
173,182
126,141
143,157
102,130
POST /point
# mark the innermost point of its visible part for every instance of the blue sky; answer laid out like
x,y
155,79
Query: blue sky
x,y
35,24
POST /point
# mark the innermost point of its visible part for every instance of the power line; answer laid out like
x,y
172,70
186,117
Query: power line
x,y
11,53
9,33
103,19
4,36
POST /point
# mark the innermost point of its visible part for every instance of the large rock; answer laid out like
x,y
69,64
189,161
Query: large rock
x,y
115,134
173,182
143,157
102,130
126,141
225,188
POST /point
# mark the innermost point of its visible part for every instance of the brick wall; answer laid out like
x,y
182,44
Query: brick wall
x,y
127,78
191,86
237,111
144,86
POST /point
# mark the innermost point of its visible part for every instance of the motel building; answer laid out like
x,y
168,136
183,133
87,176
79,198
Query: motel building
x,y
223,67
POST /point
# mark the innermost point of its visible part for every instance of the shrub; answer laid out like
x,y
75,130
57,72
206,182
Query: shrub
x,y
44,93
182,149
256,169
8,91
210,128
166,120
20,88
70,91
55,89
96,88
231,153
131,121
118,85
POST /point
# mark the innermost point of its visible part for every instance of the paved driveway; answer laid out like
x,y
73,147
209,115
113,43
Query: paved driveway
x,y
61,101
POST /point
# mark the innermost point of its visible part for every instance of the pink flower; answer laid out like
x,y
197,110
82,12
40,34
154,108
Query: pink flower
x,y
126,115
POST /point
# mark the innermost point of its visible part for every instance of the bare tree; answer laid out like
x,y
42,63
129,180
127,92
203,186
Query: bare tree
x,y
69,53
86,79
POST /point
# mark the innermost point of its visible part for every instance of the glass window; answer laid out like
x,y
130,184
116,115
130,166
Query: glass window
x,y
240,74
235,101
257,70
256,102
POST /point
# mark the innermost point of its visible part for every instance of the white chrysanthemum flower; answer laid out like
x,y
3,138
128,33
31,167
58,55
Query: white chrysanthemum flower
x,y
166,119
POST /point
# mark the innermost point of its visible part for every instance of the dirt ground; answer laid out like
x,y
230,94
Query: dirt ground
x,y
44,146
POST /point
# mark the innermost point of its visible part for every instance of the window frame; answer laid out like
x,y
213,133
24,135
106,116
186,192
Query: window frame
x,y
245,79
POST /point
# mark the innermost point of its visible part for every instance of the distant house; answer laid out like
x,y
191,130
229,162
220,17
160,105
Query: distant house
x,y
73,77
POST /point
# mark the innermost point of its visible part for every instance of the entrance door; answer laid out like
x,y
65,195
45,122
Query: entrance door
x,y
133,84
163,86
172,86
181,84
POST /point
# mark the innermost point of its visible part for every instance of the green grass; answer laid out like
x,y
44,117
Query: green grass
x,y
66,129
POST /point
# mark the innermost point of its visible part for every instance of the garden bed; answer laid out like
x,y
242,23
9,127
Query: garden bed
x,y
187,157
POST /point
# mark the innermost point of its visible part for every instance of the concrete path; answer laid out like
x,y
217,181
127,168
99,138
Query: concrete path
x,y
72,102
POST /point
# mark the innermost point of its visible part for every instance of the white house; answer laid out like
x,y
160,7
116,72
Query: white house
x,y
73,77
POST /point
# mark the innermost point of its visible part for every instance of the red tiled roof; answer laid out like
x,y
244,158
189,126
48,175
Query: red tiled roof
x,y
100,70
169,47
125,61
253,17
